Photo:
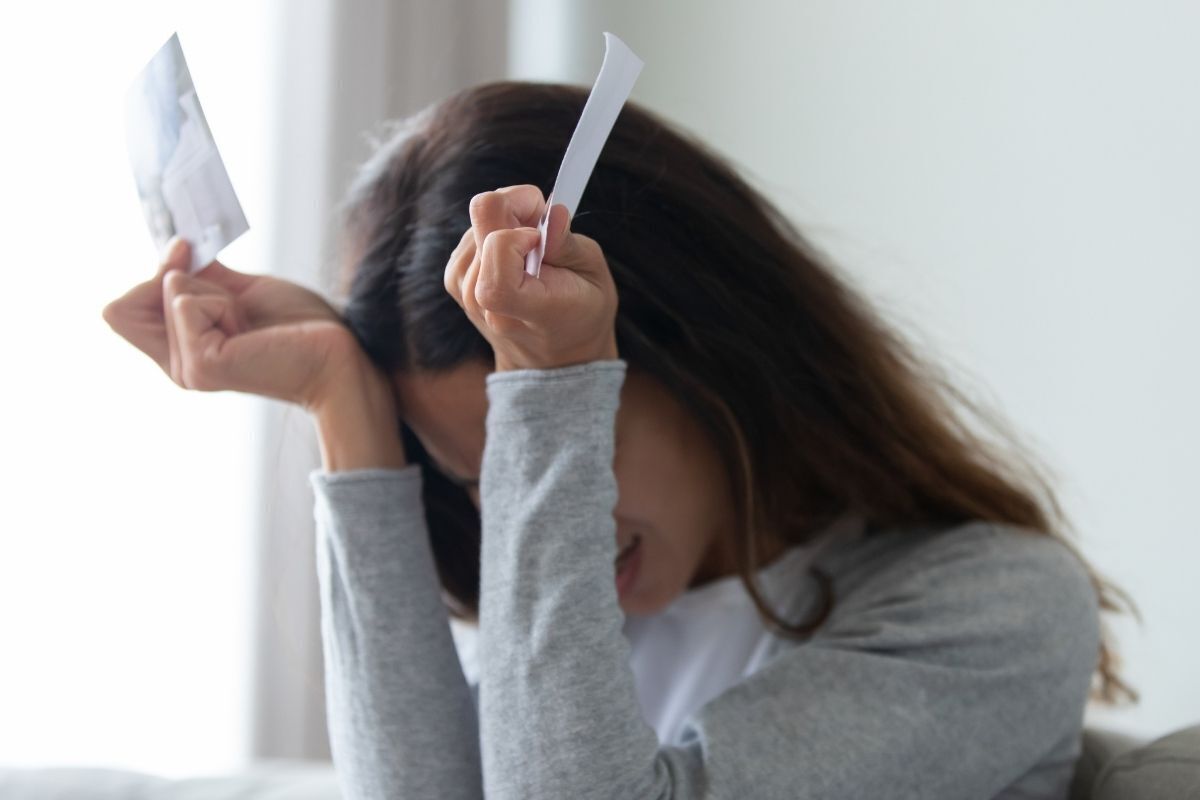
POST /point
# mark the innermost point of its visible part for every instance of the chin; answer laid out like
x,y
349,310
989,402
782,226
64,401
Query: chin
x,y
649,597
636,608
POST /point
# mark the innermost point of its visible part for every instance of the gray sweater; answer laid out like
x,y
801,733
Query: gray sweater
x,y
956,663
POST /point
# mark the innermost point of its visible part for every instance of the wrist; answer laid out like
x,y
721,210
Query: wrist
x,y
605,352
357,422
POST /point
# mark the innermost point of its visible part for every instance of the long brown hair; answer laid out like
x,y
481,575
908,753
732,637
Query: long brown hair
x,y
814,404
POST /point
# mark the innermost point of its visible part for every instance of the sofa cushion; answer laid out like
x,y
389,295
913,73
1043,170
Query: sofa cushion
x,y
1097,749
1166,769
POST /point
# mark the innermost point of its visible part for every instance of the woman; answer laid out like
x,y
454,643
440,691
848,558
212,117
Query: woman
x,y
721,533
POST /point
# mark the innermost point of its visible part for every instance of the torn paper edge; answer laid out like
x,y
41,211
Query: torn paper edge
x,y
618,72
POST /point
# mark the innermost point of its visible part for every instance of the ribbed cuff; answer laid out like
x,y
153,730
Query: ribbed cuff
x,y
527,394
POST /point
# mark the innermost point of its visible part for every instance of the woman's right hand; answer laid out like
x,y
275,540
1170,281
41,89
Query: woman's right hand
x,y
225,330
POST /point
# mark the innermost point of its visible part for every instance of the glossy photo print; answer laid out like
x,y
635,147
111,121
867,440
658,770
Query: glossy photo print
x,y
181,179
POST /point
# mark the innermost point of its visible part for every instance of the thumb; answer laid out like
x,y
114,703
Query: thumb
x,y
563,248
176,254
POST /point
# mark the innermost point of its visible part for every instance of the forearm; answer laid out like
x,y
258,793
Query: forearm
x,y
401,717
357,424
551,650
954,673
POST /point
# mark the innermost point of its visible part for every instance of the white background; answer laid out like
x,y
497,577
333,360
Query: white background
x,y
1016,183
127,513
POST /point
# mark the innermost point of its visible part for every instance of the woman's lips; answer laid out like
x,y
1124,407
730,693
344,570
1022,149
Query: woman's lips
x,y
627,563
627,548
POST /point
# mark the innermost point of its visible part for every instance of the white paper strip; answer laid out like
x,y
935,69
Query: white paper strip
x,y
618,73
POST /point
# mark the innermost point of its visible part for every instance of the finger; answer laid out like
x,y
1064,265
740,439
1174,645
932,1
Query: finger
x,y
177,254
501,285
217,356
148,295
171,288
466,288
510,207
456,266
137,315
559,239
202,324
570,250
177,283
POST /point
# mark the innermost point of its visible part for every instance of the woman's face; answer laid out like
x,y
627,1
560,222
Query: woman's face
x,y
674,514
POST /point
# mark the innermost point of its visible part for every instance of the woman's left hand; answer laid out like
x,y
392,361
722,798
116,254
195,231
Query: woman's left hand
x,y
565,316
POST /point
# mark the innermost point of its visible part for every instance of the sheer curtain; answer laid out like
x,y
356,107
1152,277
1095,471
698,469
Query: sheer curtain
x,y
127,504
158,610
342,68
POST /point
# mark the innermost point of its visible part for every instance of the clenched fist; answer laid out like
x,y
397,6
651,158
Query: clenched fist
x,y
565,316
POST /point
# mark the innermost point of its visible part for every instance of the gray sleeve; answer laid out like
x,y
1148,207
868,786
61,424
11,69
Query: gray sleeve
x,y
402,721
949,676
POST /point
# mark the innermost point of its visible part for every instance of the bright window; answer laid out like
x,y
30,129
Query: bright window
x,y
127,515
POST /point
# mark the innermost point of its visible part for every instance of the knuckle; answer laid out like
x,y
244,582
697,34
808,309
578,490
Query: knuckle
x,y
526,189
174,281
496,242
489,291
484,203
590,246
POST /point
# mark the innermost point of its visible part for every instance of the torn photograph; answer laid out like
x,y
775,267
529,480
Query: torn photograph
x,y
181,179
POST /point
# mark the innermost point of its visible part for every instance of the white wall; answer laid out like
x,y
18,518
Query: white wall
x,y
1017,183
343,67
